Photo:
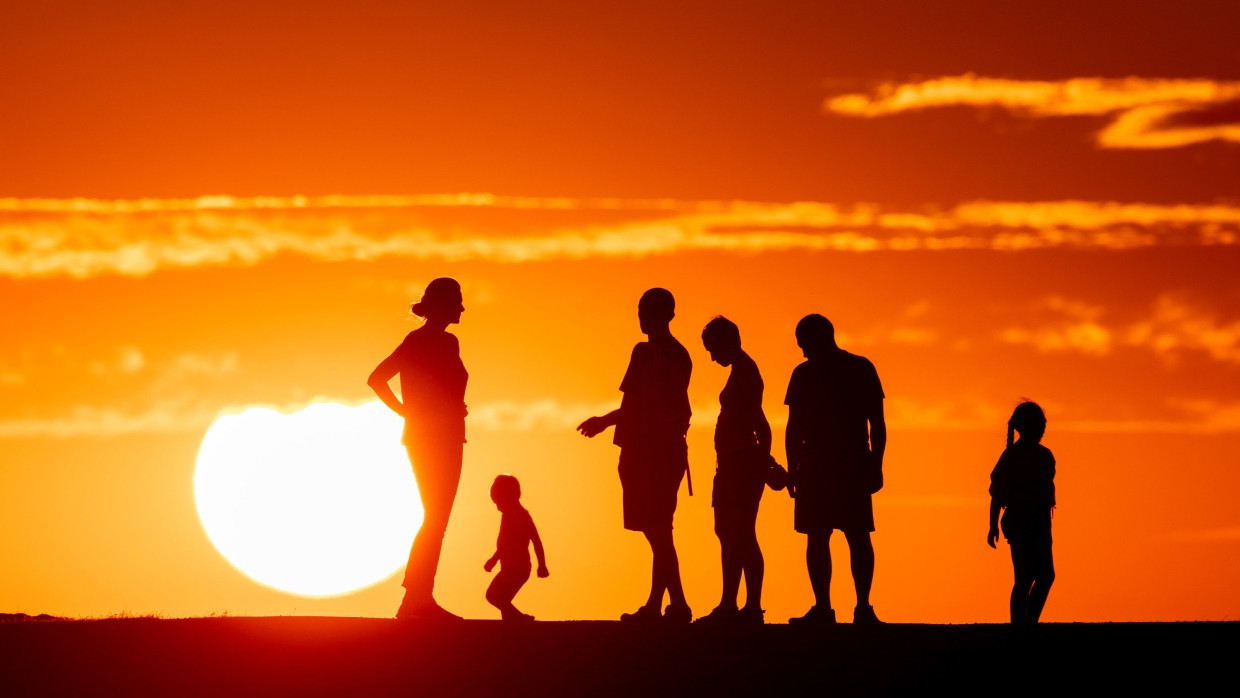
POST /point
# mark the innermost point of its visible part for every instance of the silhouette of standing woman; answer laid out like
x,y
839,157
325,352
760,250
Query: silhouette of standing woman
x,y
650,431
1023,486
743,451
432,384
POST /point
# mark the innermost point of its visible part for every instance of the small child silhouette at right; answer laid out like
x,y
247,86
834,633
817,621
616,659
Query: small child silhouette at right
x,y
512,549
1022,485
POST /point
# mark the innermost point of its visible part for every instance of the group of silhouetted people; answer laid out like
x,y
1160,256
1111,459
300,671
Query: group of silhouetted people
x,y
834,442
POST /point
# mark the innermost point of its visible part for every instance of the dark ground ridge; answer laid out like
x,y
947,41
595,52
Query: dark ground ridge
x,y
370,656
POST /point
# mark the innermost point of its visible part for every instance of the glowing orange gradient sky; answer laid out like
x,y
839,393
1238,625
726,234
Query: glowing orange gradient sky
x,y
208,207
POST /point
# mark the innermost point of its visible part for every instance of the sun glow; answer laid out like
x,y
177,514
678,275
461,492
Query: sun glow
x,y
318,502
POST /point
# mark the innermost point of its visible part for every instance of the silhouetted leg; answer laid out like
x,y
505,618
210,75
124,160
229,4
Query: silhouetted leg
x,y
751,560
438,473
1041,585
665,570
818,560
731,554
1023,576
861,557
503,589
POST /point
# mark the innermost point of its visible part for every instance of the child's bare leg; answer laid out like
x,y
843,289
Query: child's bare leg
x,y
1041,588
503,589
1022,580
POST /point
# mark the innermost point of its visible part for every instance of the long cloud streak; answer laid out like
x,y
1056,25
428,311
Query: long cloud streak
x,y
1146,113
550,415
84,238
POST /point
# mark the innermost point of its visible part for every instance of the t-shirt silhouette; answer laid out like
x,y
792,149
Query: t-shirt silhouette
x,y
432,386
834,396
740,403
1024,476
655,406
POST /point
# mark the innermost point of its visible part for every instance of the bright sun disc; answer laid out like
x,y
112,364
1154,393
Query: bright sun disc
x,y
318,502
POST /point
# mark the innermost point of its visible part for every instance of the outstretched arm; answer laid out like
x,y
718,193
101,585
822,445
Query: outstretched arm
x,y
596,425
538,550
378,382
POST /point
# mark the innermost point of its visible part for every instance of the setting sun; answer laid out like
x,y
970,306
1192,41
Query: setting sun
x,y
318,502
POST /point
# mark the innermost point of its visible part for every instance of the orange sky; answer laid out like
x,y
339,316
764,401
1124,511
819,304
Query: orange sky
x,y
981,238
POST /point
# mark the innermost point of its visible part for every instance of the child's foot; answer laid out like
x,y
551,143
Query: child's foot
x,y
678,615
749,616
720,614
515,616
645,614
817,615
864,615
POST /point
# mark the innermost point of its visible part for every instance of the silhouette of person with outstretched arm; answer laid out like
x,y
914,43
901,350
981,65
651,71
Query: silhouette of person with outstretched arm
x,y
1022,486
650,430
512,549
432,386
835,440
743,453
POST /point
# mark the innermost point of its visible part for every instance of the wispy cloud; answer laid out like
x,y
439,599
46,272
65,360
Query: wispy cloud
x,y
1172,328
84,238
1144,113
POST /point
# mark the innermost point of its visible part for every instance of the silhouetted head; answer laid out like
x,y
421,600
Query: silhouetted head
x,y
441,301
722,338
1028,419
655,310
815,336
505,491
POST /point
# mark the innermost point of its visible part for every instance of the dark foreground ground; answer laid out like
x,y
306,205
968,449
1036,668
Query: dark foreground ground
x,y
361,656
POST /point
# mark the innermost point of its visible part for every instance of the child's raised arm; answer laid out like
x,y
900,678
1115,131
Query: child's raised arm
x,y
538,550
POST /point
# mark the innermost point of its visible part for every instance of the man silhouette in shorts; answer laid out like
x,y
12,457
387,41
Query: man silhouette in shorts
x,y
835,440
650,431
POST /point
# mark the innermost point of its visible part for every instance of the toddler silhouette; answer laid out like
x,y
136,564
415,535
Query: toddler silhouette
x,y
512,549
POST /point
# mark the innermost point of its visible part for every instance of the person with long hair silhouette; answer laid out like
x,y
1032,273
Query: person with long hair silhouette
x,y
512,549
432,386
743,452
1022,486
650,430
835,440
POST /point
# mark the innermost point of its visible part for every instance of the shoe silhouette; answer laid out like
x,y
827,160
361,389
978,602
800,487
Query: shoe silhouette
x,y
816,615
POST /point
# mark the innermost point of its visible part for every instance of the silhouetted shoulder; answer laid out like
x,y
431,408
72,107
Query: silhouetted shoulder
x,y
865,373
637,359
798,385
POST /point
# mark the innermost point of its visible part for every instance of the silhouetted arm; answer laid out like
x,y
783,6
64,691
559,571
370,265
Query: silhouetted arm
x,y
992,536
490,563
794,442
595,425
538,550
878,434
378,382
762,430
